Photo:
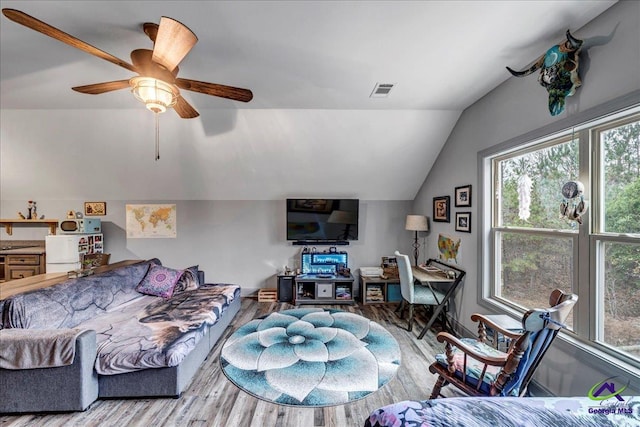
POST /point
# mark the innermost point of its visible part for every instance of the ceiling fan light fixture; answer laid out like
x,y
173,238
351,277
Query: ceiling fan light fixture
x,y
155,94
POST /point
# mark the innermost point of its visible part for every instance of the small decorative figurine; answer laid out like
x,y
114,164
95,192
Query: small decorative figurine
x,y
558,72
32,211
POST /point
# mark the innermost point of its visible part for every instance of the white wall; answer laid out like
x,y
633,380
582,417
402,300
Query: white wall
x,y
234,241
229,172
251,154
610,69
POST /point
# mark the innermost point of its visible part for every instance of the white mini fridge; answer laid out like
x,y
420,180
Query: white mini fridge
x,y
64,252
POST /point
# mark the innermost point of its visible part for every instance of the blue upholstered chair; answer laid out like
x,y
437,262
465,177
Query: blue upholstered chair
x,y
413,293
478,369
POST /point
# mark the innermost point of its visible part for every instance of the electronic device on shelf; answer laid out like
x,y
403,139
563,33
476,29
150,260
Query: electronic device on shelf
x,y
371,271
322,221
323,263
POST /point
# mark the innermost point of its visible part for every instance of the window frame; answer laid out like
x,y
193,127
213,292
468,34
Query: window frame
x,y
587,127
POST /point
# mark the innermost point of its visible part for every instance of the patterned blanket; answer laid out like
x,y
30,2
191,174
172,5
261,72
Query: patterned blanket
x,y
509,412
149,332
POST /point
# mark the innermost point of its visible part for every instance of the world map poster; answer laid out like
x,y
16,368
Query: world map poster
x,y
151,221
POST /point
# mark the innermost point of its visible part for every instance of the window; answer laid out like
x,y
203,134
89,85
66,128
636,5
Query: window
x,y
535,250
616,236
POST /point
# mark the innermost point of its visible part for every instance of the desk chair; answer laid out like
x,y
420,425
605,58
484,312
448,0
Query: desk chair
x,y
412,293
480,370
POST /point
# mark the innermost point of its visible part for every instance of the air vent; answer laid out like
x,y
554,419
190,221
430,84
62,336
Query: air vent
x,y
381,90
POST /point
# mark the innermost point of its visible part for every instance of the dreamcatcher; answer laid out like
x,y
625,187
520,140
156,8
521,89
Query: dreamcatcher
x,y
573,205
524,197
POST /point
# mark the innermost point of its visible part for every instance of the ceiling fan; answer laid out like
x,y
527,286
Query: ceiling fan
x,y
157,83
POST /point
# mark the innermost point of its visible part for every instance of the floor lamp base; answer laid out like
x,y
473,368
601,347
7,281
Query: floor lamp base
x,y
416,249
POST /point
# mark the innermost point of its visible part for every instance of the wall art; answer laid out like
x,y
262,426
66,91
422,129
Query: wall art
x,y
463,196
441,209
95,208
463,222
151,221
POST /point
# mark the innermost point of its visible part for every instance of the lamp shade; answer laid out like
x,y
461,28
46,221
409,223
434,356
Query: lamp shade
x,y
155,94
342,217
417,223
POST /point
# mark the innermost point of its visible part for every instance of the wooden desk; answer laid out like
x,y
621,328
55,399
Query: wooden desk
x,y
452,280
428,277
40,281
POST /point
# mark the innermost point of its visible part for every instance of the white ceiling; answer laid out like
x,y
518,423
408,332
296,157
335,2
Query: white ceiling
x,y
296,55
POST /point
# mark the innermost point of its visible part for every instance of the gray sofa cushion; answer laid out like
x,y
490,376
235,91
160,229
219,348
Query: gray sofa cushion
x,y
66,388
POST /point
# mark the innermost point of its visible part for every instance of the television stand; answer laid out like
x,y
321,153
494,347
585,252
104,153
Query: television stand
x,y
315,289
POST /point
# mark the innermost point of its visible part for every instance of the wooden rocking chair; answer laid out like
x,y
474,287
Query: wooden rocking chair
x,y
481,370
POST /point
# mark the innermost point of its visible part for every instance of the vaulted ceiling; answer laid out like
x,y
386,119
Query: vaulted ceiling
x,y
302,59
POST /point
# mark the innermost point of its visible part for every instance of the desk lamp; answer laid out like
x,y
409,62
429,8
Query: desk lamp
x,y
416,223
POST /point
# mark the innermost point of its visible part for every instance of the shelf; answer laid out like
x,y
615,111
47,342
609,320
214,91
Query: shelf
x,y
375,290
8,224
316,290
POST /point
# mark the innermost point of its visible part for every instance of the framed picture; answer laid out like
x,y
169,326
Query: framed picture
x,y
95,208
463,196
463,222
441,209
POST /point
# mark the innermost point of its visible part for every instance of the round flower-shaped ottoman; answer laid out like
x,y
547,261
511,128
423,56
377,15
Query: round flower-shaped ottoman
x,y
310,357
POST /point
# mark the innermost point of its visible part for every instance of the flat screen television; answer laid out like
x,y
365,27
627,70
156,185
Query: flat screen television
x,y
322,220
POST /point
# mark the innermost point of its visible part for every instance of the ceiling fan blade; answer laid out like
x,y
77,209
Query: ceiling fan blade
x,y
98,88
229,92
184,109
173,41
46,29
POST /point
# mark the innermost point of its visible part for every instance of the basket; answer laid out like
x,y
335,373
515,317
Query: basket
x,y
268,295
391,272
390,267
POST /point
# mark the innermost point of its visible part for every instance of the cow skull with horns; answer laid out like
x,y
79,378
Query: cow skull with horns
x,y
558,72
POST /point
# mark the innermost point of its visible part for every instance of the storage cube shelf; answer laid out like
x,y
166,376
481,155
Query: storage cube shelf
x,y
375,290
393,292
316,290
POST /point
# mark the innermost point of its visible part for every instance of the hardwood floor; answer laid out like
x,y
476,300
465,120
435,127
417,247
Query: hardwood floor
x,y
212,400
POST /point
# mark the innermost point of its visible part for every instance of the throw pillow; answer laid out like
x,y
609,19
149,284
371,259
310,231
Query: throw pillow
x,y
160,281
189,280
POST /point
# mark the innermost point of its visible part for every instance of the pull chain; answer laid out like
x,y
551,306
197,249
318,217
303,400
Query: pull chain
x,y
157,136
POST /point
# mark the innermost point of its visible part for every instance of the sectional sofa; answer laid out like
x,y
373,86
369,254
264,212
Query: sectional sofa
x,y
117,334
